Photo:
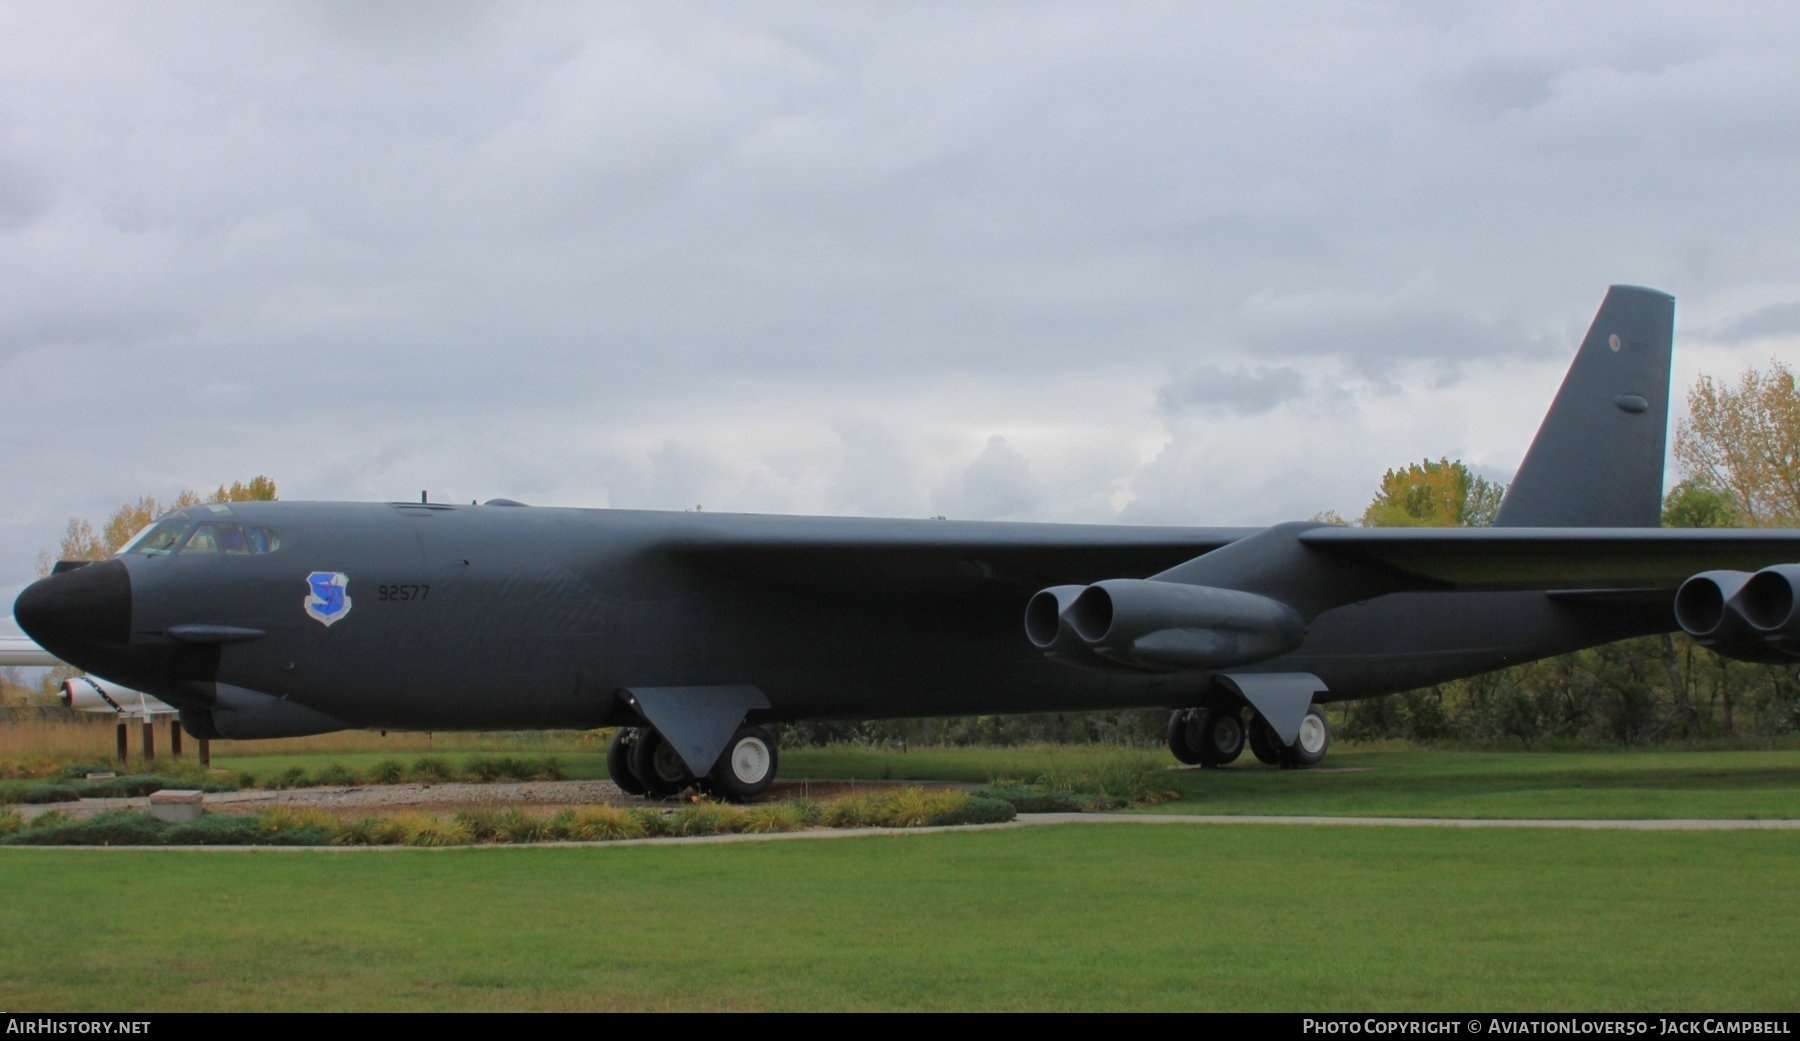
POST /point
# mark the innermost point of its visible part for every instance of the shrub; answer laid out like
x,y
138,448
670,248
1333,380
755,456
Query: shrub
x,y
704,818
773,817
358,831
79,771
11,821
292,777
606,824
49,819
431,768
1135,778
423,829
653,822
46,793
388,771
519,826
295,826
337,775
1032,800
975,810
216,829
485,768
915,807
112,828
853,811
245,779
482,824
131,786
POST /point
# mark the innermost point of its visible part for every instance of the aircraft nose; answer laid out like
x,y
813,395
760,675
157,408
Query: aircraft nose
x,y
78,609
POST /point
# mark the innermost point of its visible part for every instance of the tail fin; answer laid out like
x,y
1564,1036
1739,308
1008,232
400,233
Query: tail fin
x,y
1597,460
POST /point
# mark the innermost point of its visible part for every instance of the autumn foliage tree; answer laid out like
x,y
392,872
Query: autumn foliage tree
x,y
1743,439
1441,494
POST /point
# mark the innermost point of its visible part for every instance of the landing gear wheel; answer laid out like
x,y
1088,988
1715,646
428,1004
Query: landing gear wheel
x,y
1264,744
618,761
747,766
1180,746
656,766
1217,733
1313,743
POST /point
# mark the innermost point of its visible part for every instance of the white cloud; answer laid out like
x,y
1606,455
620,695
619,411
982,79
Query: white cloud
x,y
857,259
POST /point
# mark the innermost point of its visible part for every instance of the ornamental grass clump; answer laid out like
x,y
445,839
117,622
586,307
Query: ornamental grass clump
x,y
605,824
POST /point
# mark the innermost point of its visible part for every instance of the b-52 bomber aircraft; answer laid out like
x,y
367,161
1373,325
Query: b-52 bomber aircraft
x,y
694,631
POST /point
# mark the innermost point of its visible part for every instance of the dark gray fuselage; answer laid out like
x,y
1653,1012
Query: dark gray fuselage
x,y
496,616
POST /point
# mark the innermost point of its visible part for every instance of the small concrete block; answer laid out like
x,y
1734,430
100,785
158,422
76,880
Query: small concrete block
x,y
177,804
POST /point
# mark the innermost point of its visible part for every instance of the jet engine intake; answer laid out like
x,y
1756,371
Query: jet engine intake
x,y
1147,624
1753,618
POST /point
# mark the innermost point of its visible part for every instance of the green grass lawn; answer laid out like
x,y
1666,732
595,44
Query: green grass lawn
x,y
1068,917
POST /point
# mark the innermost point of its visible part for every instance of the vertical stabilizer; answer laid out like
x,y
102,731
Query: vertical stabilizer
x,y
1597,460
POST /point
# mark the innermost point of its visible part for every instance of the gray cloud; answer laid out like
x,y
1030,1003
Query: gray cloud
x,y
601,255
1246,391
1772,322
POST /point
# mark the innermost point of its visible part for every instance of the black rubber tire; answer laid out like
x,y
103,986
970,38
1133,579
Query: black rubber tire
x,y
1264,745
657,767
618,761
1179,745
1217,733
1314,741
747,766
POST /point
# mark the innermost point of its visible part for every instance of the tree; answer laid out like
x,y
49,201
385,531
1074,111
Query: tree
x,y
1744,441
1428,494
81,542
1691,504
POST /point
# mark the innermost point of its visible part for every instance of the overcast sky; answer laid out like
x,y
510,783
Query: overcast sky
x,y
1203,262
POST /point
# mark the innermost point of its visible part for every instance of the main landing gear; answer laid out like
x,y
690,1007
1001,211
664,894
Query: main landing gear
x,y
641,762
1217,732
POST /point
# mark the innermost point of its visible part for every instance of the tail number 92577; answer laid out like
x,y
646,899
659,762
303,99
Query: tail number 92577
x,y
401,591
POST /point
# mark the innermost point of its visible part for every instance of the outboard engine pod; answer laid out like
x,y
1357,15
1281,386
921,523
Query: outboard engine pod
x,y
1170,625
1749,618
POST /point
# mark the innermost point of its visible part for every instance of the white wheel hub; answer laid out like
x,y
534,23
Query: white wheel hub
x,y
750,761
1312,735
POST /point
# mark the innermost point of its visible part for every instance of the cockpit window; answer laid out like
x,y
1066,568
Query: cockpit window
x,y
232,540
205,539
223,537
158,539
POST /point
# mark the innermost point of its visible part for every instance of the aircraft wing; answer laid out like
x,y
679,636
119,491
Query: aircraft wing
x,y
919,557
19,649
947,557
1476,559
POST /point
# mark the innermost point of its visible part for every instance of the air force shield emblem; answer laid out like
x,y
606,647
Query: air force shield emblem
x,y
326,599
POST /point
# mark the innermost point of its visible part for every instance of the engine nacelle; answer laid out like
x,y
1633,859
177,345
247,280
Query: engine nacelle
x,y
1048,628
251,715
1747,617
1148,624
93,694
